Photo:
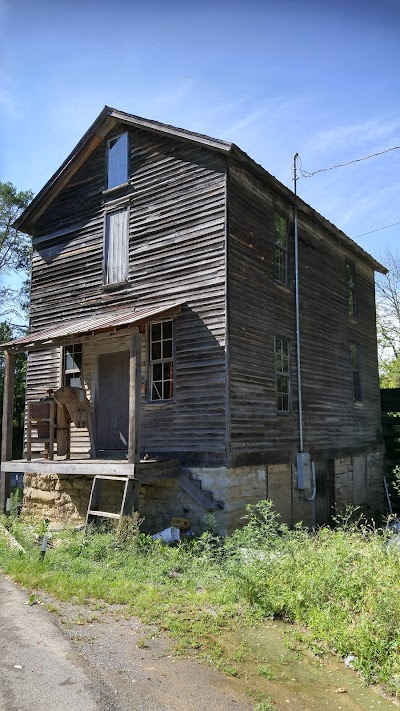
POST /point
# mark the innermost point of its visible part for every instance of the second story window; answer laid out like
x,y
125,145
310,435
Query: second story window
x,y
351,288
280,257
72,365
161,361
355,366
116,247
282,370
117,161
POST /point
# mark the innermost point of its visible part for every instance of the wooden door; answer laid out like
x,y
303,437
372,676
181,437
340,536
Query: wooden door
x,y
325,492
112,410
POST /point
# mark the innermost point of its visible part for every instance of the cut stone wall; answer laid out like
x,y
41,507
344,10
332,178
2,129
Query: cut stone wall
x,y
65,498
343,483
359,481
376,493
235,487
57,498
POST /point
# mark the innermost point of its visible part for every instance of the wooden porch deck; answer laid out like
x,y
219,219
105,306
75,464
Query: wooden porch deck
x,y
147,471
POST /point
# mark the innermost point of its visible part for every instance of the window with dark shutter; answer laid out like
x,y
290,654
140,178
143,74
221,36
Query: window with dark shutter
x,y
116,247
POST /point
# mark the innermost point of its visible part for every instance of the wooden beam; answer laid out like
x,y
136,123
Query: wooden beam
x,y
135,363
7,427
8,407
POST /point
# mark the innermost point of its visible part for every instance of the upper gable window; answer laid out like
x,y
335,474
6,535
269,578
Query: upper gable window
x,y
281,270
117,161
351,287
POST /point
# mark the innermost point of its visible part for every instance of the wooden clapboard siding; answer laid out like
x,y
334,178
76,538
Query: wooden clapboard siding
x,y
260,309
332,419
176,198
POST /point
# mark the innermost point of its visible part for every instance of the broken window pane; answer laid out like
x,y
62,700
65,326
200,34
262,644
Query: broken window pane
x,y
156,332
167,329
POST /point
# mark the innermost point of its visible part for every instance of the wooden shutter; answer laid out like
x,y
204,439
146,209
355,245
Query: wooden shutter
x,y
116,253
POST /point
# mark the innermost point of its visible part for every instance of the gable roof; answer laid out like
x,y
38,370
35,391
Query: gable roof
x,y
109,117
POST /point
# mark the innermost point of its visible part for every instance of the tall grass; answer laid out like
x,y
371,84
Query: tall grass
x,y
341,583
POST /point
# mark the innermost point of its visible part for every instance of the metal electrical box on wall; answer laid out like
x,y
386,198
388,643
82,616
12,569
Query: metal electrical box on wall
x,y
303,465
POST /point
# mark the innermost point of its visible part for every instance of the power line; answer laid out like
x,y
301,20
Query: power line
x,y
306,174
377,230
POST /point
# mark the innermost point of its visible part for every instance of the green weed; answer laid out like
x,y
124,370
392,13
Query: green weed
x,y
340,584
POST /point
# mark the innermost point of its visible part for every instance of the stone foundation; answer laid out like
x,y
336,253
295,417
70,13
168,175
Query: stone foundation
x,y
358,480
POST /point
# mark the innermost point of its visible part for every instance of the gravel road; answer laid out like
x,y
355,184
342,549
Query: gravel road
x,y
82,660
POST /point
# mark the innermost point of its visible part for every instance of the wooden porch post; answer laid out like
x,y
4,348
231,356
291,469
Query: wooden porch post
x,y
7,426
135,363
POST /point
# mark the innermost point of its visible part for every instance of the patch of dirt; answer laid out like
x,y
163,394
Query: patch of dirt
x,y
138,665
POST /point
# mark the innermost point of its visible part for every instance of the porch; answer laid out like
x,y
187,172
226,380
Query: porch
x,y
53,453
146,471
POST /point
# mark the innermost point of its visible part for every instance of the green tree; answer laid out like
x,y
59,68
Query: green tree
x,y
388,321
15,261
15,250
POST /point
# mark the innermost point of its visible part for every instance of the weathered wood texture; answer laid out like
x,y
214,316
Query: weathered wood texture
x,y
260,309
176,195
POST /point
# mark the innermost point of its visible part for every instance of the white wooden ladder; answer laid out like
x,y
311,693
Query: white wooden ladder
x,y
95,506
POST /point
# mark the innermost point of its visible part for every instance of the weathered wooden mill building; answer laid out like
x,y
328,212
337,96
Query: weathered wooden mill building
x,y
164,301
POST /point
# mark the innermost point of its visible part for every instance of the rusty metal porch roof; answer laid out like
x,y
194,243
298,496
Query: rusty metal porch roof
x,y
100,322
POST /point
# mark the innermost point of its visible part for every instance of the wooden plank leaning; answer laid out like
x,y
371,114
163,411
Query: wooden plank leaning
x,y
7,427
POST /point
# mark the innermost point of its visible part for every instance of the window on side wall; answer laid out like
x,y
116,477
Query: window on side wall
x,y
282,371
72,365
161,361
117,161
351,288
355,367
281,254
116,247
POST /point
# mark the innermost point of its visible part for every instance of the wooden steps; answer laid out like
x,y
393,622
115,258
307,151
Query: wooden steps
x,y
202,497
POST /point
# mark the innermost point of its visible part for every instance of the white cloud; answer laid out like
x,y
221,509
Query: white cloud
x,y
373,129
271,112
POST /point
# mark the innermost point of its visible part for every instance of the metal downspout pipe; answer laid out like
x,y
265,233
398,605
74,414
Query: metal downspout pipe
x,y
298,354
296,264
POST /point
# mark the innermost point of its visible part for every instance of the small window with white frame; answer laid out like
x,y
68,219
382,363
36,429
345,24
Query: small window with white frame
x,y
72,365
117,161
161,361
116,247
281,250
282,372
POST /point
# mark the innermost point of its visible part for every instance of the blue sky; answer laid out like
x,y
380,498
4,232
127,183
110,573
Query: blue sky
x,y
321,78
